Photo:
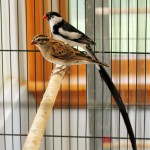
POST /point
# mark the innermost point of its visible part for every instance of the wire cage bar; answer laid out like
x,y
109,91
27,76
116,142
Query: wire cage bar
x,y
85,115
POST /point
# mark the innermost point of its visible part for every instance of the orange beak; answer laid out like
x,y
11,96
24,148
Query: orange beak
x,y
45,17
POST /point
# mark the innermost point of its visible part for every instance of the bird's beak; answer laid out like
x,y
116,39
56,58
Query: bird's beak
x,y
45,17
33,42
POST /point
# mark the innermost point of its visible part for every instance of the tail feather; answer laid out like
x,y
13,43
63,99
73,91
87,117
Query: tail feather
x,y
92,54
116,96
103,64
120,104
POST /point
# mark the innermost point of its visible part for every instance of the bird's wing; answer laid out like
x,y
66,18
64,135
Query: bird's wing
x,y
82,55
62,51
85,39
74,34
66,52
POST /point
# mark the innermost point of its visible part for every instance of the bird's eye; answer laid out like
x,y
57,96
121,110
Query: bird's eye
x,y
38,39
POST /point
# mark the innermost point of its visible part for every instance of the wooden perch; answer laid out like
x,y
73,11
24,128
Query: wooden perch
x,y
37,129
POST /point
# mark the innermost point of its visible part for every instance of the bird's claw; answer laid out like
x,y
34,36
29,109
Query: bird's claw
x,y
60,69
58,72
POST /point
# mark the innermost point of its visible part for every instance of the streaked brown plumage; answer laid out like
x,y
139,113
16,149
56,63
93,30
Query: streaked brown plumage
x,y
58,52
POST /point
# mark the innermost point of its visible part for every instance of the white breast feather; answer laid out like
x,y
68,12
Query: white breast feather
x,y
54,21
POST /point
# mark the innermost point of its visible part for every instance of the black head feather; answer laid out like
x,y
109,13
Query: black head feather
x,y
49,15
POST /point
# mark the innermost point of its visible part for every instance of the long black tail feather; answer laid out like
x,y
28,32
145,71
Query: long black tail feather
x,y
120,104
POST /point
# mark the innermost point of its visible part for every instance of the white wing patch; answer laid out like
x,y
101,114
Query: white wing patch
x,y
70,35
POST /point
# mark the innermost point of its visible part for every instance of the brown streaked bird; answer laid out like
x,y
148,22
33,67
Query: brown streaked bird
x,y
58,52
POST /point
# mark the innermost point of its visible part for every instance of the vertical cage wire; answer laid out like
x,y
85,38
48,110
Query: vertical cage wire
x,y
18,105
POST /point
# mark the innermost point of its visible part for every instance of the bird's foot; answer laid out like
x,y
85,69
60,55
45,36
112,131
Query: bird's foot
x,y
58,70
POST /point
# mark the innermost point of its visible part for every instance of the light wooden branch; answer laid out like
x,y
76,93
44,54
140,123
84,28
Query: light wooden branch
x,y
37,129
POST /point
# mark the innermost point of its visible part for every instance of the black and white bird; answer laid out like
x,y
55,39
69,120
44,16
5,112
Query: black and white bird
x,y
63,31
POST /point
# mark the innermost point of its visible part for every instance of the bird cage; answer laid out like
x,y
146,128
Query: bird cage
x,y
85,115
